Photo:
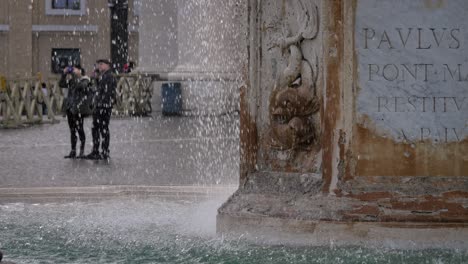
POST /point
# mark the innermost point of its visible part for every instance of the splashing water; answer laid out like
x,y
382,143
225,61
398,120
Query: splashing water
x,y
161,230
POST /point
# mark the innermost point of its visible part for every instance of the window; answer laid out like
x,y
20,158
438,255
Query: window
x,y
66,4
65,7
62,58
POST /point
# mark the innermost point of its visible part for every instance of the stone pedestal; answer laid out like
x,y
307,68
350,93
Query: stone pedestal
x,y
354,124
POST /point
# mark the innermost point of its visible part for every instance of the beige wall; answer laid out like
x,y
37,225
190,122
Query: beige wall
x,y
45,42
3,38
20,39
24,52
3,53
93,17
4,12
92,45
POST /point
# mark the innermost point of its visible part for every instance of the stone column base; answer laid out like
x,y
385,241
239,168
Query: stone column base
x,y
392,235
291,208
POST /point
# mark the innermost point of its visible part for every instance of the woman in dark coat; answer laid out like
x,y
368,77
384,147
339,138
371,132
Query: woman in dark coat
x,y
75,105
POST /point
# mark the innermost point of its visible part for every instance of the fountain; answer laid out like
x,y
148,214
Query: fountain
x,y
331,168
353,125
160,230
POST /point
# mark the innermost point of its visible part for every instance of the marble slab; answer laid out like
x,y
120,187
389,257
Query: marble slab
x,y
412,61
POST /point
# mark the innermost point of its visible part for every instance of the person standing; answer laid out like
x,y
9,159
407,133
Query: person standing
x,y
103,102
77,82
45,93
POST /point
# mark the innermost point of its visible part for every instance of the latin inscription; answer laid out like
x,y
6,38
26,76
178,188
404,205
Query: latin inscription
x,y
414,79
412,38
417,72
421,104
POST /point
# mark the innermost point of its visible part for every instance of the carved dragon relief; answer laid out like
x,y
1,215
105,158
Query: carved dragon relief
x,y
294,102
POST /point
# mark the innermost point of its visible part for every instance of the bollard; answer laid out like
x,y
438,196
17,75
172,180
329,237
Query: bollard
x,y
171,95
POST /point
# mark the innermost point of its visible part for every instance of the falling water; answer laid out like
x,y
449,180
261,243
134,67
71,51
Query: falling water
x,y
199,149
162,230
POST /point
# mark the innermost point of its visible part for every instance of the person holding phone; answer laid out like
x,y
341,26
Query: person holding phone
x,y
77,82
103,102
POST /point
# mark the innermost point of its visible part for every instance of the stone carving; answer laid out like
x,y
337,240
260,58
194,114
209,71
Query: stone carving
x,y
294,101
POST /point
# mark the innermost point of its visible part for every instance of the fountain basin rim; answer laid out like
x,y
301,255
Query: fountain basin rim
x,y
42,194
313,233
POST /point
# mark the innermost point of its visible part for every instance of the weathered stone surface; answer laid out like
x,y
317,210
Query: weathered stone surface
x,y
283,183
379,162
292,205
411,186
413,71
289,89
309,206
329,233
412,101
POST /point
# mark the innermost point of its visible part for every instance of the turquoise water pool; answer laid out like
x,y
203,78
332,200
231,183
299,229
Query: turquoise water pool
x,y
161,230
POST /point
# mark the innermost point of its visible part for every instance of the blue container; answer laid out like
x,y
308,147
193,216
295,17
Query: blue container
x,y
171,95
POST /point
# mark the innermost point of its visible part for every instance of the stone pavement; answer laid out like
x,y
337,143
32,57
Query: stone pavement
x,y
152,151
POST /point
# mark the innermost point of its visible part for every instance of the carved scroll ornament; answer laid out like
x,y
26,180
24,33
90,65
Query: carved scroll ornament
x,y
293,101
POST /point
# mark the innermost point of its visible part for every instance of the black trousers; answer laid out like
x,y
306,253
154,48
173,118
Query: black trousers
x,y
101,119
75,123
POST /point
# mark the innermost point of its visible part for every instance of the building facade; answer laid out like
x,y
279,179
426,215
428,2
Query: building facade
x,y
38,38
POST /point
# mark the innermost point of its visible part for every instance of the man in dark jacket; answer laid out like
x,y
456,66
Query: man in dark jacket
x,y
77,82
103,102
